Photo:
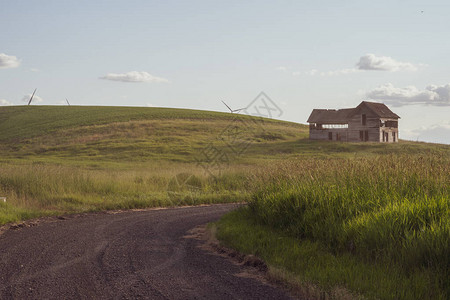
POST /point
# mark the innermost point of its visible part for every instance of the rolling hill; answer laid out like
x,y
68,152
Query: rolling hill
x,y
124,134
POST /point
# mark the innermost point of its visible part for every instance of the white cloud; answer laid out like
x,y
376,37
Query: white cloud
x,y
4,102
431,95
311,72
134,76
8,61
282,68
383,63
437,133
36,99
370,62
339,72
366,63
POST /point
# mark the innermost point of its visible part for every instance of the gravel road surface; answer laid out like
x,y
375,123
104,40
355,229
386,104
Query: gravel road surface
x,y
127,255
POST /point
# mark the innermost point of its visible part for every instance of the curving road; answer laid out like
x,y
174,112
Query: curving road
x,y
128,255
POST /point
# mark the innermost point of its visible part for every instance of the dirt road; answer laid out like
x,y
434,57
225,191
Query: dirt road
x,y
129,255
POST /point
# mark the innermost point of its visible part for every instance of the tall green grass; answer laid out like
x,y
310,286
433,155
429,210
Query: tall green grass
x,y
392,209
309,267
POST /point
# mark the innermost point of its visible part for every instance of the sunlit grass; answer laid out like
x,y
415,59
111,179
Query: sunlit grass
x,y
67,189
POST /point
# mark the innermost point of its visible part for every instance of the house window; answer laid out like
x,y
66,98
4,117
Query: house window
x,y
393,137
330,136
361,135
393,124
366,135
335,126
363,119
384,136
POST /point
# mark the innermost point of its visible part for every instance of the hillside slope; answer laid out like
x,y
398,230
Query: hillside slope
x,y
29,121
127,134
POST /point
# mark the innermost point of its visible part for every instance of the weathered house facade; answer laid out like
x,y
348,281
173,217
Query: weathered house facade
x,y
368,122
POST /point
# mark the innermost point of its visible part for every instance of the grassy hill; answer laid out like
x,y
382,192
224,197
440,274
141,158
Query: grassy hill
x,y
29,121
57,159
381,210
95,135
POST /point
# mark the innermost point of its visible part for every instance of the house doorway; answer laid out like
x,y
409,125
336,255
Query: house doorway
x,y
364,135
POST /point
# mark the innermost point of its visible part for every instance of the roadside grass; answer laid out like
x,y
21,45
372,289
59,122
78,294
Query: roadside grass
x,y
39,189
316,272
11,213
388,215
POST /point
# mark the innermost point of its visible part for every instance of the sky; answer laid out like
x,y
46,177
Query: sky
x,y
195,54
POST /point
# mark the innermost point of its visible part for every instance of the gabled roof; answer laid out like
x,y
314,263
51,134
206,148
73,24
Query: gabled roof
x,y
342,116
335,116
380,110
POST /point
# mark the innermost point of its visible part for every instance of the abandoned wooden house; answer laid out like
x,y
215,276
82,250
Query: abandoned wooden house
x,y
368,122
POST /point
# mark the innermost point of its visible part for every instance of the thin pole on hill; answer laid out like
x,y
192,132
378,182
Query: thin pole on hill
x,y
29,102
67,102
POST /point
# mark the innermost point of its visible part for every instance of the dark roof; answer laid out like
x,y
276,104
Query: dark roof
x,y
335,116
380,110
341,116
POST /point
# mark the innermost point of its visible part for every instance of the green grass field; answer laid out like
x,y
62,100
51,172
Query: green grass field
x,y
378,214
